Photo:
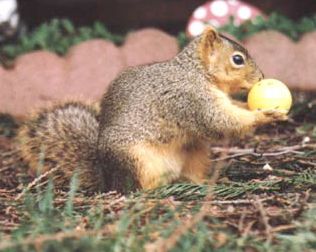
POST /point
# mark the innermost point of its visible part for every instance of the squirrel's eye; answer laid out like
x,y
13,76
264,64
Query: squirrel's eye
x,y
238,60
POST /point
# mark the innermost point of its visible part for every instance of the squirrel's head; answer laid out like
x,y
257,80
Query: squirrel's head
x,y
227,63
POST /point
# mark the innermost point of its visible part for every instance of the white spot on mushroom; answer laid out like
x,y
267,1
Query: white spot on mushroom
x,y
219,8
244,12
232,2
196,28
200,13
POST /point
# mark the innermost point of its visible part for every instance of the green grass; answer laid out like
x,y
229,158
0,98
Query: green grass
x,y
138,225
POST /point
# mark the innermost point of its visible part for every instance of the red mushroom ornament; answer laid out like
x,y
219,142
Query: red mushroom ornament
x,y
217,13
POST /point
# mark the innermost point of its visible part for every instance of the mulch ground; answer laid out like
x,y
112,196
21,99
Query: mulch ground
x,y
267,181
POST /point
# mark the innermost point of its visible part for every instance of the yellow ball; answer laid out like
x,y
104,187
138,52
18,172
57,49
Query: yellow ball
x,y
270,94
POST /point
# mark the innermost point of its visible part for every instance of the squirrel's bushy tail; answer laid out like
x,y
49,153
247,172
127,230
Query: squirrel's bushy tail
x,y
63,138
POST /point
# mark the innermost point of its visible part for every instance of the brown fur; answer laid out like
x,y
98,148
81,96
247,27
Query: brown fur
x,y
164,163
197,162
215,52
154,124
62,136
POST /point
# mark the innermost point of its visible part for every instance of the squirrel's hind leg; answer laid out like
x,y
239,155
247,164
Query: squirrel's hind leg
x,y
197,163
157,165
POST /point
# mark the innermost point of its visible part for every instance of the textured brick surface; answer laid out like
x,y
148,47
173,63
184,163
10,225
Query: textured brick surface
x,y
306,58
91,66
147,46
40,78
271,51
281,58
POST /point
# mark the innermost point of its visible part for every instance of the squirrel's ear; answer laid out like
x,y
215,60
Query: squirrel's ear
x,y
207,43
209,37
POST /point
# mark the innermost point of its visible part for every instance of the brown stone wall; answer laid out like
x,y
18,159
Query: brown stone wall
x,y
40,78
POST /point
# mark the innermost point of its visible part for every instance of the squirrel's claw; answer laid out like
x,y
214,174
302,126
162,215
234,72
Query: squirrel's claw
x,y
276,114
270,115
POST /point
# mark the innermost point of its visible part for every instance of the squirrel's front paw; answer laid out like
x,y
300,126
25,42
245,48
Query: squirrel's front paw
x,y
276,114
271,115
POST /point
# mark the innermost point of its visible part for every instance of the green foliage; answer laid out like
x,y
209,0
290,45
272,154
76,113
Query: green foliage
x,y
183,40
58,36
276,22
71,195
187,192
181,191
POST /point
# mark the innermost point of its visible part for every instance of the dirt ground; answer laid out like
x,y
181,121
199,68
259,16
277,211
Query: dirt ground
x,y
265,191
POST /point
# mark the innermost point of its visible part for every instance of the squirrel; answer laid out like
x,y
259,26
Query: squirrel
x,y
155,121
